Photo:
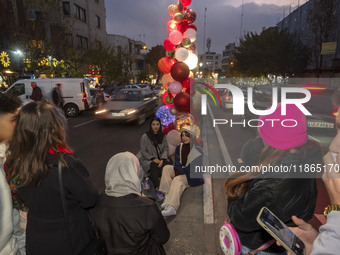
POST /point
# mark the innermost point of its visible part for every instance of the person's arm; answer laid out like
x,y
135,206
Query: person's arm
x,y
158,228
143,149
77,183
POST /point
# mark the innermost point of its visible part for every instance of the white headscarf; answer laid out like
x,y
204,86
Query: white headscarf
x,y
122,175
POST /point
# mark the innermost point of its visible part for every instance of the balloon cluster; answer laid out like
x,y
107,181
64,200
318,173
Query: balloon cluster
x,y
178,80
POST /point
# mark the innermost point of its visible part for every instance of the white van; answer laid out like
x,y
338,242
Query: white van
x,y
75,91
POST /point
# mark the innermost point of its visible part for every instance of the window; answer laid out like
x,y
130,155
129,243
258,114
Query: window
x,y
82,42
17,89
216,57
69,40
66,8
81,13
97,21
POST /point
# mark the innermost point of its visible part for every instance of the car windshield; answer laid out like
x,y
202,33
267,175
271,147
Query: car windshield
x,y
128,95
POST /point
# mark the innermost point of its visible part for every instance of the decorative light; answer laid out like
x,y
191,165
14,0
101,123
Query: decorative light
x,y
163,113
191,61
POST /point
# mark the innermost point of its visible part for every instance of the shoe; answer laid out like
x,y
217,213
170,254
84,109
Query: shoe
x,y
169,211
163,205
146,184
160,195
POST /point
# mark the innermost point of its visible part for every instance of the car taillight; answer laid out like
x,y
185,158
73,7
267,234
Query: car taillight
x,y
227,98
335,112
84,97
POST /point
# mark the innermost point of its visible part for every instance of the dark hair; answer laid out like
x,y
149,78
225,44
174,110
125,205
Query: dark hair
x,y
155,119
37,130
9,103
58,84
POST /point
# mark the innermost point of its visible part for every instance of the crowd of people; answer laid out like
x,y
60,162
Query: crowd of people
x,y
41,179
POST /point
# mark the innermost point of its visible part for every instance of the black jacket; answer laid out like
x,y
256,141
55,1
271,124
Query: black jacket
x,y
131,225
284,196
46,233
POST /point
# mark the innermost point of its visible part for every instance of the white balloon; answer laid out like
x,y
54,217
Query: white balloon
x,y
191,34
181,54
191,61
173,137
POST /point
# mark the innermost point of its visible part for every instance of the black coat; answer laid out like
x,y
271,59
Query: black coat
x,y
46,233
284,196
131,225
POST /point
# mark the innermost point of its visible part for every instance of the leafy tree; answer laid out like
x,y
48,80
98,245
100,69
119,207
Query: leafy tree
x,y
271,52
152,58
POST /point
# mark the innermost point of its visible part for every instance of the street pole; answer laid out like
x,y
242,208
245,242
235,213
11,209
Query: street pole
x,y
205,18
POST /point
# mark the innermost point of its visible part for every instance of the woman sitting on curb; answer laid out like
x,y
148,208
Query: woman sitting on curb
x,y
176,178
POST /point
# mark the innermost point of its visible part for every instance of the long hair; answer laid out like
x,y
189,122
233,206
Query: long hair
x,y
237,184
37,130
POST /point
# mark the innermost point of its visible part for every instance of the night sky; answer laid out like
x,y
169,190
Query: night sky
x,y
146,20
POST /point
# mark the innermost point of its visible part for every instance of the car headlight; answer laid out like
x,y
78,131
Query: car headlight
x,y
129,111
100,111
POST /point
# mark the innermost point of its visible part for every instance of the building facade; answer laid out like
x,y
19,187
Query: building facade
x,y
210,61
228,58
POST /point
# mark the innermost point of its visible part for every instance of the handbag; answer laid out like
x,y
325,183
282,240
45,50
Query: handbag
x,y
97,245
230,242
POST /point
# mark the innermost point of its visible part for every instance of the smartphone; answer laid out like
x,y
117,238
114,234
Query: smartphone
x,y
277,229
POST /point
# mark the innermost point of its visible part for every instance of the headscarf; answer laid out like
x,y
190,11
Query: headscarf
x,y
122,175
156,137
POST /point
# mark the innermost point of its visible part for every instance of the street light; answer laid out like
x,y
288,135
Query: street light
x,y
18,52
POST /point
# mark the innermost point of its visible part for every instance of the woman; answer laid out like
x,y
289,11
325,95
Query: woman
x,y
154,150
131,224
285,194
38,144
177,178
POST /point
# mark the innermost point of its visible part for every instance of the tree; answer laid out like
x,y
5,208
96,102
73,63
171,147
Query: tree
x,y
271,52
152,58
321,20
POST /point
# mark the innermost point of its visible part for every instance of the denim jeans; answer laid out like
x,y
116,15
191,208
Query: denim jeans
x,y
245,250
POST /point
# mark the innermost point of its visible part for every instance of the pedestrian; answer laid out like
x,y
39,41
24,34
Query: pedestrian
x,y
37,148
99,96
284,196
12,237
130,223
36,92
57,96
154,155
177,178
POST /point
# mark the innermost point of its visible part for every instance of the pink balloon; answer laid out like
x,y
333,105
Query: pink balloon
x,y
175,87
173,138
167,79
176,37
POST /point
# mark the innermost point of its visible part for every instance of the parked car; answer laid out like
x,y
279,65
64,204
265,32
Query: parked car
x,y
129,105
75,91
93,99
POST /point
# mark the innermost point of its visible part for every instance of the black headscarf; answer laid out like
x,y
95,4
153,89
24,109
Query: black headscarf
x,y
158,138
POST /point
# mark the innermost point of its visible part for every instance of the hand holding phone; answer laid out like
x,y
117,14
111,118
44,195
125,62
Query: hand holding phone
x,y
277,229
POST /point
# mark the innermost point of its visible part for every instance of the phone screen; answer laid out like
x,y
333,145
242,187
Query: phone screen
x,y
282,232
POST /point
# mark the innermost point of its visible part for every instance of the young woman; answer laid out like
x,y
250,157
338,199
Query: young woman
x,y
154,150
130,223
177,178
283,193
37,145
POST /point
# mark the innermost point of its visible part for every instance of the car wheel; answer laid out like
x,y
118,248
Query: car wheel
x,y
71,110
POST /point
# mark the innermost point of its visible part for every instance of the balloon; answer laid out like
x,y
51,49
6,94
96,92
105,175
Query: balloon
x,y
175,87
186,42
190,16
193,26
168,45
167,100
173,111
191,34
172,149
188,83
186,2
183,119
178,17
174,137
165,64
180,71
172,25
183,26
176,37
182,102
167,79
181,54
165,116
191,61
172,9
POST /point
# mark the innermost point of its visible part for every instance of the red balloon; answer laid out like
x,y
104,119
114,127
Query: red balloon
x,y
188,83
180,71
168,128
182,102
190,16
183,26
186,2
168,45
193,26
172,25
165,64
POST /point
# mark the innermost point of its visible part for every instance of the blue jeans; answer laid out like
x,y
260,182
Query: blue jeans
x,y
245,250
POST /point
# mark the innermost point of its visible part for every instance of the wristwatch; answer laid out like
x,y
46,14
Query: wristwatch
x,y
330,208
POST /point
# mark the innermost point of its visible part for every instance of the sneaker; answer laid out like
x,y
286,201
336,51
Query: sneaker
x,y
160,195
163,205
146,184
169,211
